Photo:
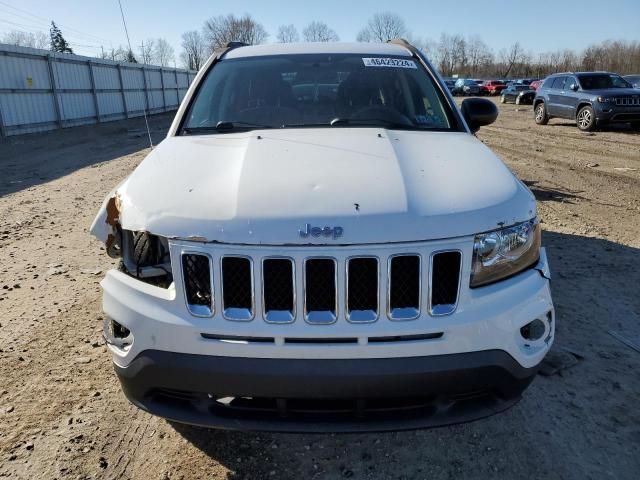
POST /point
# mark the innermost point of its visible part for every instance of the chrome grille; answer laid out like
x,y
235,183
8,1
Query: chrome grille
x,y
237,288
196,271
320,285
278,290
444,282
404,287
362,289
627,101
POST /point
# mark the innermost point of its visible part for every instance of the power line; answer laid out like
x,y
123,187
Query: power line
x,y
38,29
144,110
66,27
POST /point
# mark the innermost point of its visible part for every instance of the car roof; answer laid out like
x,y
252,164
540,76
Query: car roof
x,y
581,73
359,48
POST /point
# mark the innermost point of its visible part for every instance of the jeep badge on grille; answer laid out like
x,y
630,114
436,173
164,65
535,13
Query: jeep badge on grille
x,y
335,232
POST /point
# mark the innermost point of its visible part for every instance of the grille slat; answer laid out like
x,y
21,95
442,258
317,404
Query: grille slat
x,y
362,289
320,290
445,282
237,288
197,284
278,290
404,287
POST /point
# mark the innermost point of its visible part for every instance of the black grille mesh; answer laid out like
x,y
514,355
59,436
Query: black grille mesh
x,y
363,284
236,283
320,284
277,275
197,279
445,278
405,282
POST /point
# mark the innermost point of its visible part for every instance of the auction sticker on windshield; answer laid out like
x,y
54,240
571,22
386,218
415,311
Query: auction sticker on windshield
x,y
389,62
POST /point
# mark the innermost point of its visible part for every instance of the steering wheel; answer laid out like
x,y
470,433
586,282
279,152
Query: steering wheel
x,y
381,112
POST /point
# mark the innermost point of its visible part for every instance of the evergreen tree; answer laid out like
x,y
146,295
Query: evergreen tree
x,y
131,58
58,43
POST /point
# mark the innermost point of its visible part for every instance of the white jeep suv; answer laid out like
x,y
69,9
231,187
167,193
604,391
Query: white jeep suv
x,y
322,244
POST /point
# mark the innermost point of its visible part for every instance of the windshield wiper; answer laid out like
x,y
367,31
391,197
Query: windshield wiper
x,y
381,122
339,121
225,126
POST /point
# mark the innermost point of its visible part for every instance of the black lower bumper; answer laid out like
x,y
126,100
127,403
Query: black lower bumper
x,y
324,395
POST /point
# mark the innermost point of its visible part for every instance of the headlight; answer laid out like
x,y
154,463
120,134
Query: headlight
x,y
606,100
502,253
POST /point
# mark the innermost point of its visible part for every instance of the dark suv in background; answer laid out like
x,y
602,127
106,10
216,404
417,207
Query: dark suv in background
x,y
590,98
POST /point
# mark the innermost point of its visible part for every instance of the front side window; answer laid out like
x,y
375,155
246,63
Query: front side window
x,y
568,81
558,82
602,80
311,90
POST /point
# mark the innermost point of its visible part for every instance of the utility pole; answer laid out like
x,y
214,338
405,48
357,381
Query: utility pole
x,y
144,59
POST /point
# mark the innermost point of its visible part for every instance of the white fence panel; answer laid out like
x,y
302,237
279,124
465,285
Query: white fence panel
x,y
42,90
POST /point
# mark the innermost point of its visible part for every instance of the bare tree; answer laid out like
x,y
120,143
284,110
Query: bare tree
x,y
480,56
509,58
288,34
218,31
193,51
26,39
452,54
147,51
163,53
319,32
383,27
116,54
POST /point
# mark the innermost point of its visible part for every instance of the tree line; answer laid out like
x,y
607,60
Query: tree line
x,y
452,54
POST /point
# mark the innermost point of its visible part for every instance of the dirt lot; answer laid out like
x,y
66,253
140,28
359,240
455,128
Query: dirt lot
x,y
62,414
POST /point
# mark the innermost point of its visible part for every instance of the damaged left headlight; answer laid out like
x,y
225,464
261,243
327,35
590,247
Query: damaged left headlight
x,y
146,257
505,252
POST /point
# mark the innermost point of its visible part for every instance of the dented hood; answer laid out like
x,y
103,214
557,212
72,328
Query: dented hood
x,y
262,187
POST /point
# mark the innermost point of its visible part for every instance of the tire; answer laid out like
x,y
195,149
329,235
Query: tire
x,y
144,249
502,99
586,119
635,127
540,114
517,100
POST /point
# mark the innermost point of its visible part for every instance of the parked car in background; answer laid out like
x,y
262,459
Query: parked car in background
x,y
590,98
535,84
466,86
492,87
518,94
634,80
451,84
524,81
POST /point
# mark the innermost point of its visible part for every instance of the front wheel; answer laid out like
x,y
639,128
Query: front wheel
x,y
586,119
502,99
541,114
517,100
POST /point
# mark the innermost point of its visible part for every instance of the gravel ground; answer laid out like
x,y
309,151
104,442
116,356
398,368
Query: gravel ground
x,y
62,414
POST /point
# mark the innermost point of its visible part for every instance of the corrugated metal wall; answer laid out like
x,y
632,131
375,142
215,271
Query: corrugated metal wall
x,y
42,90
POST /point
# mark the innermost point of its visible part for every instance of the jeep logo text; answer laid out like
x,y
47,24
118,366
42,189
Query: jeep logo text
x,y
335,232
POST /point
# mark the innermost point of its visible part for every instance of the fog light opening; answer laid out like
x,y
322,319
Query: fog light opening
x,y
117,335
533,330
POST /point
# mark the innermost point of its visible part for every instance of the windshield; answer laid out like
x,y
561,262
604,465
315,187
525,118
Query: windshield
x,y
599,81
304,90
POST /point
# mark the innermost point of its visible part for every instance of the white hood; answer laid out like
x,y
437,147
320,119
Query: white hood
x,y
262,187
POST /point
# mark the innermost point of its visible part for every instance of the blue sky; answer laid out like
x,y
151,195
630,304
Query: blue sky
x,y
539,25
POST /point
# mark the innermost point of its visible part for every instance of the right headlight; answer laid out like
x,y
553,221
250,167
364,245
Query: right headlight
x,y
505,252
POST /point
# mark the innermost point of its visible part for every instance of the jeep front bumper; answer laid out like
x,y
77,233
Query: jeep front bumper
x,y
389,375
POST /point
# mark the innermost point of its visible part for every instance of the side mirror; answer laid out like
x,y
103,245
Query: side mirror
x,y
479,112
573,87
